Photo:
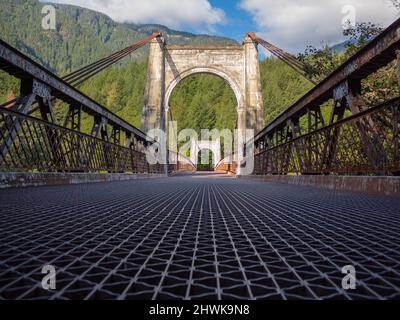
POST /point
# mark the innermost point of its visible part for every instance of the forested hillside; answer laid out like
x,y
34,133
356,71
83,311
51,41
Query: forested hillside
x,y
281,87
204,102
81,36
201,101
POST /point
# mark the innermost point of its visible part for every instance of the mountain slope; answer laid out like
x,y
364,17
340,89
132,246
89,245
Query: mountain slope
x,y
82,36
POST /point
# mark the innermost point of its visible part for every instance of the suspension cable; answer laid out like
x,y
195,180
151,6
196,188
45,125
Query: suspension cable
x,y
79,76
83,74
287,58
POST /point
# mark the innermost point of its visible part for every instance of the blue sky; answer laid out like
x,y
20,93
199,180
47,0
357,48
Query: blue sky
x,y
290,24
238,23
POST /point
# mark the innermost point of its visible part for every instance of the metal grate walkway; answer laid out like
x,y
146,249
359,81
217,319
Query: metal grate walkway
x,y
197,237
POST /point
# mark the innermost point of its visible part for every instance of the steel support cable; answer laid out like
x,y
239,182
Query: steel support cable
x,y
290,57
113,55
84,74
71,75
95,65
282,55
106,62
98,66
272,48
297,69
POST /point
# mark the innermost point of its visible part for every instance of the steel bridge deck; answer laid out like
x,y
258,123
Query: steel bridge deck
x,y
197,237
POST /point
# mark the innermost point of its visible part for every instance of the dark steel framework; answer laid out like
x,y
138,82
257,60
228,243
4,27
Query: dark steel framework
x,y
365,143
356,139
299,141
28,143
44,146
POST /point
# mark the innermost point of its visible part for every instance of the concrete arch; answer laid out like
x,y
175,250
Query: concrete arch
x,y
205,70
237,64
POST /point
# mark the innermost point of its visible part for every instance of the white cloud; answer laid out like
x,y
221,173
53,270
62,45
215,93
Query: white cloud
x,y
173,13
292,24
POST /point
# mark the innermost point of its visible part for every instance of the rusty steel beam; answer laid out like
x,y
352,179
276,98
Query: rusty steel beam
x,y
19,65
47,147
340,147
378,53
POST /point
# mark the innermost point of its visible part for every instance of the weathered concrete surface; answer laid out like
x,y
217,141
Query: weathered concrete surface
x,y
387,186
22,179
238,65
152,117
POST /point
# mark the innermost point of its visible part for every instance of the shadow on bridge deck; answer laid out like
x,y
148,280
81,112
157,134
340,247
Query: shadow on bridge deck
x,y
203,236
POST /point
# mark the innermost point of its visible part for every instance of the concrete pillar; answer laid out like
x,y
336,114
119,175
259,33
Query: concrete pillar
x,y
253,100
153,112
242,125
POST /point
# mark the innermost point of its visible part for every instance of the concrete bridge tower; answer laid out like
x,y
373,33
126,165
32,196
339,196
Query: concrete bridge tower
x,y
238,65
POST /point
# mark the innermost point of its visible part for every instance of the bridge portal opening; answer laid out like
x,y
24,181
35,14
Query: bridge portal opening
x,y
205,160
201,102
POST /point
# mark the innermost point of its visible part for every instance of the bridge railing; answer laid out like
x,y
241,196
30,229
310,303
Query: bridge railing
x,y
40,90
32,144
335,128
365,143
